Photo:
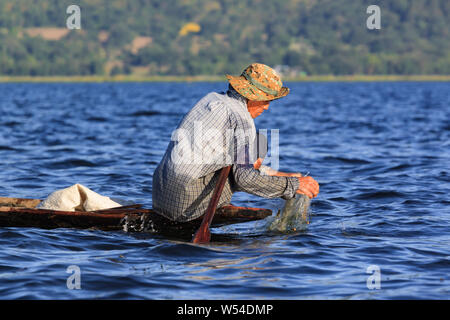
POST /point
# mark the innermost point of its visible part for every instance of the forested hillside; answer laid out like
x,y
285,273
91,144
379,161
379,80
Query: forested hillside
x,y
199,37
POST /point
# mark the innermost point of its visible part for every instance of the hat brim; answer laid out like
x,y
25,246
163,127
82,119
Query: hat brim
x,y
249,91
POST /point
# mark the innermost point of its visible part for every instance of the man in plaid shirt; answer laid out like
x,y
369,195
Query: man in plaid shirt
x,y
219,131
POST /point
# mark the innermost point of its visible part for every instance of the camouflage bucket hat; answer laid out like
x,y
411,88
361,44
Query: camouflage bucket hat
x,y
258,82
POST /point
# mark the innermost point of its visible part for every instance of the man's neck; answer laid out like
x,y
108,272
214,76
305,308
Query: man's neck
x,y
234,94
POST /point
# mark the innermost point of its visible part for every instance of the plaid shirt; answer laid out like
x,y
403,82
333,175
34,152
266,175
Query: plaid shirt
x,y
218,131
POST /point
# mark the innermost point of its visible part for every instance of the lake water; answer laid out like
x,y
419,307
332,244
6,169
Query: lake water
x,y
380,151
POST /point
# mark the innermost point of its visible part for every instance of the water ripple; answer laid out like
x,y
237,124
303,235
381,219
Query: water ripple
x,y
383,200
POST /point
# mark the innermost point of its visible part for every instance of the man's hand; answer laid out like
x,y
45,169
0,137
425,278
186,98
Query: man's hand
x,y
308,186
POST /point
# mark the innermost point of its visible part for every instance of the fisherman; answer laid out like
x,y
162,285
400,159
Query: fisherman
x,y
219,131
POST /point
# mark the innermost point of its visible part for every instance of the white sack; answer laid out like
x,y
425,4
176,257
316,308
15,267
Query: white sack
x,y
77,198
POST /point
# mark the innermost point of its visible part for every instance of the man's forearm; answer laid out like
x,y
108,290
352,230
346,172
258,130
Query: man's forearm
x,y
253,181
265,170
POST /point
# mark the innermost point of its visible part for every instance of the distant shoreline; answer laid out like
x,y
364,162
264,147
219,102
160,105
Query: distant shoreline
x,y
135,78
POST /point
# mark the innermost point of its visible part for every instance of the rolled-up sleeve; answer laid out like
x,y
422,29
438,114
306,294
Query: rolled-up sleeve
x,y
250,180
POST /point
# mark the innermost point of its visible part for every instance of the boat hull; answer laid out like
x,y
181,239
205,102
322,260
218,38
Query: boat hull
x,y
18,212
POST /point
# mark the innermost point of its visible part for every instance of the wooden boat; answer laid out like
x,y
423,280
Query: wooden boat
x,y
18,212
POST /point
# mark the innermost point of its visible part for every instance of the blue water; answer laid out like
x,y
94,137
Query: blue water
x,y
380,151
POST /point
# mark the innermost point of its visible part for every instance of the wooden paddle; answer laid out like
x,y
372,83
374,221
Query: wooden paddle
x,y
203,234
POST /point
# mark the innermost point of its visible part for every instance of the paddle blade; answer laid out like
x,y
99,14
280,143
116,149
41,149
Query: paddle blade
x,y
203,235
